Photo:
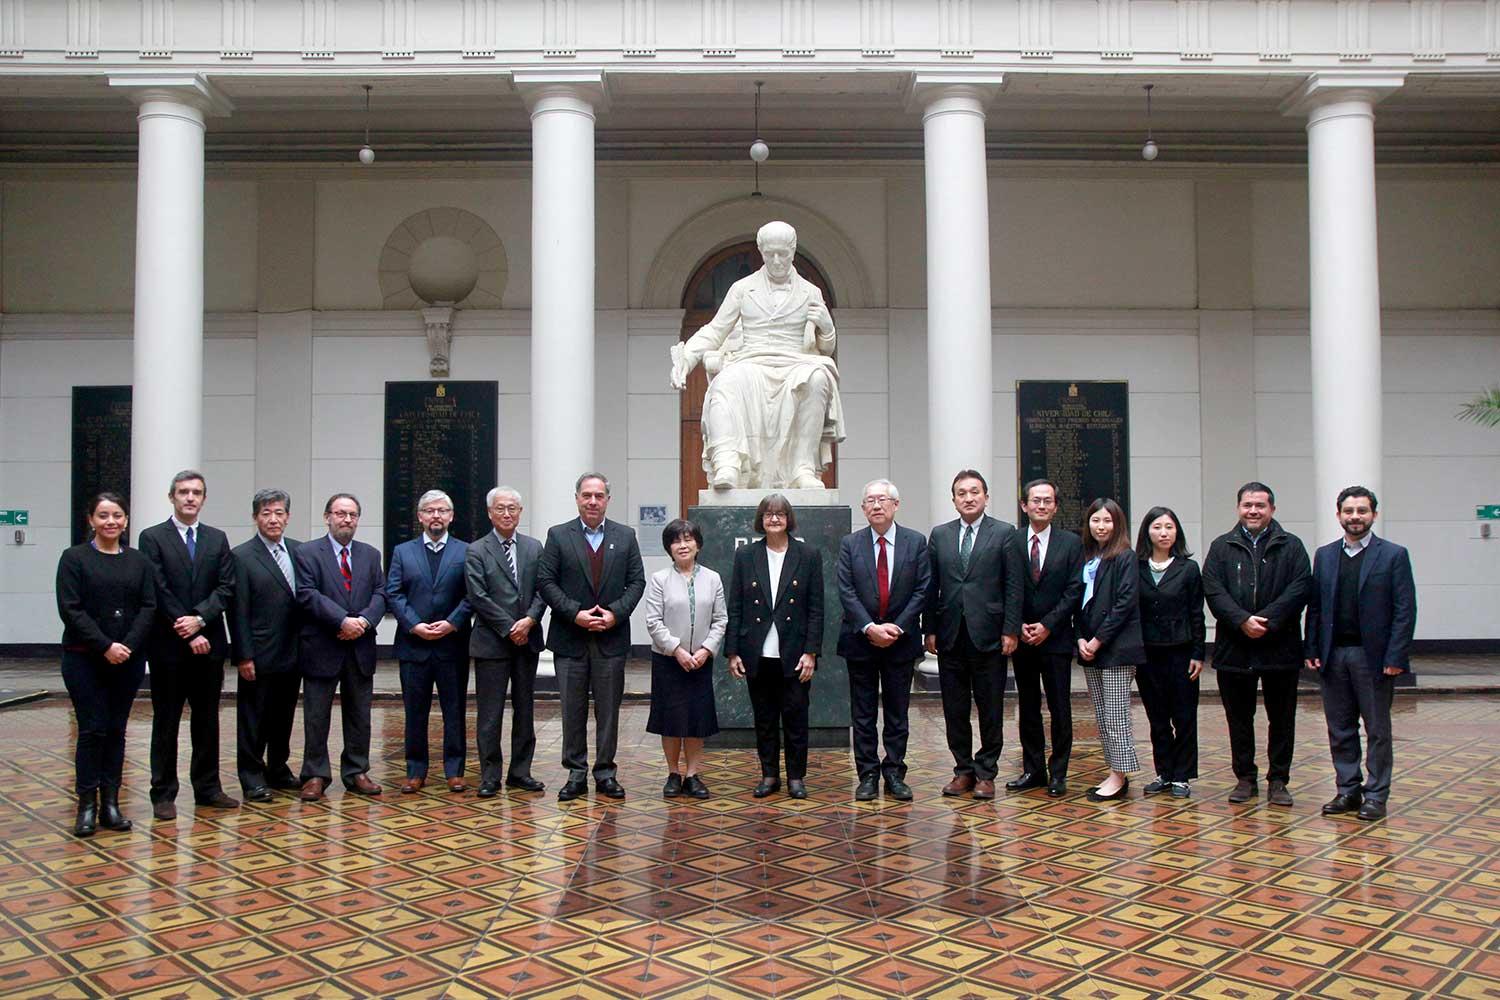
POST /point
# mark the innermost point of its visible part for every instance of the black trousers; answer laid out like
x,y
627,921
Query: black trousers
x,y
1355,691
356,690
1279,689
970,678
780,706
102,694
1171,701
451,677
1036,671
603,677
491,678
880,683
196,683
265,710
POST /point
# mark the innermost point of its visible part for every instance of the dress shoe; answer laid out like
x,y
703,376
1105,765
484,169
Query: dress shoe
x,y
87,820
1182,790
456,784
1277,794
260,793
312,789
673,788
796,788
610,787
109,810
488,789
362,785
1159,785
767,786
695,787
867,790
1343,804
961,783
1123,792
412,784
1057,787
898,790
1244,790
164,810
286,784
1371,810
1025,780
217,801
572,790
525,783
984,789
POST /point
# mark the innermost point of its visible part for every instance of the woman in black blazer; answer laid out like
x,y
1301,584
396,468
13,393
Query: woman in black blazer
x,y
106,597
779,581
1171,589
1109,639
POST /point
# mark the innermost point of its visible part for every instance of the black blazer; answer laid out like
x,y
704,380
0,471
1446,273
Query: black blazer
x,y
414,596
1172,610
495,600
797,614
266,618
1113,616
325,604
986,598
567,585
861,600
1387,604
1053,599
105,599
202,587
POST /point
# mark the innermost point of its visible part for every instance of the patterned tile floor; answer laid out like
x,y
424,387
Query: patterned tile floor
x,y
440,895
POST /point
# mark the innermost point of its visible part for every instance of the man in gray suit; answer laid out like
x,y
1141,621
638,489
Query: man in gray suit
x,y
506,641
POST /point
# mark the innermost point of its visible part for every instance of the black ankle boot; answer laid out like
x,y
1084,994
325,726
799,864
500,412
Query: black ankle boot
x,y
88,815
109,810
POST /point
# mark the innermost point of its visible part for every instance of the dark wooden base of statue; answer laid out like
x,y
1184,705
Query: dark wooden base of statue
x,y
724,530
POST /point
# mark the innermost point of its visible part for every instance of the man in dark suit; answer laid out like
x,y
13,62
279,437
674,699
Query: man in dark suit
x,y
972,623
592,578
883,573
341,592
1361,618
263,645
506,642
1050,563
425,592
194,588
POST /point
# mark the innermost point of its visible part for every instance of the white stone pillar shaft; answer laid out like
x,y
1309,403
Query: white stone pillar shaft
x,y
1345,302
960,377
166,430
562,301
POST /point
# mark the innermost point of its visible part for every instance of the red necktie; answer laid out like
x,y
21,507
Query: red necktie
x,y
344,569
1036,559
882,579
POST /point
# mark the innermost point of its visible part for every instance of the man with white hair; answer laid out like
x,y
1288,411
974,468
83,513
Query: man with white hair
x,y
425,591
772,412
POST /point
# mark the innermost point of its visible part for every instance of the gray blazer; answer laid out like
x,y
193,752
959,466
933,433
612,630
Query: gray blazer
x,y
496,601
667,611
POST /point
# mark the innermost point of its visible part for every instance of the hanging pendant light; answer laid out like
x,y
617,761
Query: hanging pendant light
x,y
1150,150
367,152
759,151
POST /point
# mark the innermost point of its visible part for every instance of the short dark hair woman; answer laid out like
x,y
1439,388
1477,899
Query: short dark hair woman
x,y
1109,639
106,597
1171,589
775,635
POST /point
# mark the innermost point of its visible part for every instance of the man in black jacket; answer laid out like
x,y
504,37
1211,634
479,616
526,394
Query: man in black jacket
x,y
1257,579
194,588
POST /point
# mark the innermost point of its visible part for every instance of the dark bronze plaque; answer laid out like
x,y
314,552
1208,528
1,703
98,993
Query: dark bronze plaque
x,y
1076,434
439,436
101,448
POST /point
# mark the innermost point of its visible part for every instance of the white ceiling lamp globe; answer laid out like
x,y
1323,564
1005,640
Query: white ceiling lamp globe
x,y
1150,150
759,151
366,155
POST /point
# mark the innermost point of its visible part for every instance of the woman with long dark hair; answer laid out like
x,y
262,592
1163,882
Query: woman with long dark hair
x,y
1172,626
106,597
1109,639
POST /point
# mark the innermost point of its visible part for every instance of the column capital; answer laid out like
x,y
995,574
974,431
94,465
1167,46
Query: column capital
x,y
1323,89
536,86
925,88
191,89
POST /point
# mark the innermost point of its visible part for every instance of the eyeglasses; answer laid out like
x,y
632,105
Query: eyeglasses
x,y
435,510
880,501
773,515
506,508
340,515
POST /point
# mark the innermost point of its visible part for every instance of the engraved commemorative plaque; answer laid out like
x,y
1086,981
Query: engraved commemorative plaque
x,y
439,435
101,448
1078,435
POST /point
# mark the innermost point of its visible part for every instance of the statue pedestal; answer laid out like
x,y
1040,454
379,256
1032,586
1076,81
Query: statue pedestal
x,y
725,528
750,498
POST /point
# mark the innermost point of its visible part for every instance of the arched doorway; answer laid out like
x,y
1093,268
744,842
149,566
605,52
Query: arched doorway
x,y
701,298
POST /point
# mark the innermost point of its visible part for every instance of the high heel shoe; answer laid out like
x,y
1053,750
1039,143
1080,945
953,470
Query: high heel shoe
x,y
1120,793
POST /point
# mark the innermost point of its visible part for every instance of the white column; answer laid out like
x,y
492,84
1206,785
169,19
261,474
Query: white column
x,y
1344,286
166,430
562,289
960,376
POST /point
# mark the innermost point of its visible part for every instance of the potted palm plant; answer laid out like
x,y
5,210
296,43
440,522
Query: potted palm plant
x,y
1484,409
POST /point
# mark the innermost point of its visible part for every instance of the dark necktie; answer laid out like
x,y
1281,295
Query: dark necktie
x,y
192,545
1036,559
344,569
883,580
966,548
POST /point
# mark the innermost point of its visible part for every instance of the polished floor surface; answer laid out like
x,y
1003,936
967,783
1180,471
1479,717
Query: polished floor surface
x,y
442,895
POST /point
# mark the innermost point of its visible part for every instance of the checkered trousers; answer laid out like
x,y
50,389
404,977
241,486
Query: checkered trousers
x,y
1109,690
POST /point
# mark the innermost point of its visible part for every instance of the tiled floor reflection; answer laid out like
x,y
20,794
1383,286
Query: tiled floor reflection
x,y
440,895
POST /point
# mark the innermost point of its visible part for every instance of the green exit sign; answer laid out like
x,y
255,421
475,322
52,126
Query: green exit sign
x,y
23,517
1483,512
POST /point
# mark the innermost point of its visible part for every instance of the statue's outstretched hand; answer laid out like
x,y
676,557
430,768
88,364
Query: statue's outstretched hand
x,y
681,366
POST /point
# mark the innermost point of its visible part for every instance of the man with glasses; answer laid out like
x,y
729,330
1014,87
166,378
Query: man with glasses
x,y
341,592
883,574
425,591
